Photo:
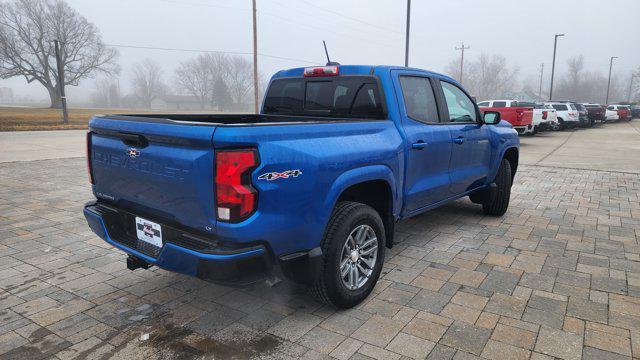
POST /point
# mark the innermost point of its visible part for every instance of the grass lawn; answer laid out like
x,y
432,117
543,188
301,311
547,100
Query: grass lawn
x,y
17,119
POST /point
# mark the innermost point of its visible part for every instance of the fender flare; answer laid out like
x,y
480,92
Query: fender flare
x,y
496,166
356,176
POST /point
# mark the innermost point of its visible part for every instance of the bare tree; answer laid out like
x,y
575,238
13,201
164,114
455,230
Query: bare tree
x,y
239,80
195,77
488,76
106,93
27,31
147,82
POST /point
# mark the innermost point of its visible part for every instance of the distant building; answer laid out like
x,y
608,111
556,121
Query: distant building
x,y
6,95
176,102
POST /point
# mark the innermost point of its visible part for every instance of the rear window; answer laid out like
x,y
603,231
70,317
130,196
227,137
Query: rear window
x,y
592,106
560,107
499,104
573,107
346,96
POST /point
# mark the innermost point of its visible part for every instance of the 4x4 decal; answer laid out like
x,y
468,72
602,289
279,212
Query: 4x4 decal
x,y
280,175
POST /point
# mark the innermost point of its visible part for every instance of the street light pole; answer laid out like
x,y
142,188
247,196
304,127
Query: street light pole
x,y
631,86
606,101
406,45
462,49
553,64
255,60
541,75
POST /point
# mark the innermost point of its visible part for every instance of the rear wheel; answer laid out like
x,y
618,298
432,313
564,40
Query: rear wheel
x,y
561,125
352,255
498,201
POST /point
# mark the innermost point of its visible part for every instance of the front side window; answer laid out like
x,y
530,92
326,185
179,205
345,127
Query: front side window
x,y
484,103
499,104
419,99
460,106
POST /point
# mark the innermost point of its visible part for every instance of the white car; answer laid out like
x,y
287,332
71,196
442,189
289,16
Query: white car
x,y
611,115
544,117
568,115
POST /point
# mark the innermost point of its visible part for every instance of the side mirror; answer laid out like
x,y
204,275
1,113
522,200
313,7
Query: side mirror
x,y
491,117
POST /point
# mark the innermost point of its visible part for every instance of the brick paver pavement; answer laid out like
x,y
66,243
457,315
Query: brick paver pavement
x,y
557,276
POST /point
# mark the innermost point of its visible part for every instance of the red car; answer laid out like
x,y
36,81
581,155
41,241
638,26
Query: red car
x,y
624,113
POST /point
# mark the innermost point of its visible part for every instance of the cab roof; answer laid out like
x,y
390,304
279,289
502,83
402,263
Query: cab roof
x,y
362,70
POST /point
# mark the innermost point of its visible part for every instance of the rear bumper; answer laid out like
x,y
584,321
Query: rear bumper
x,y
201,256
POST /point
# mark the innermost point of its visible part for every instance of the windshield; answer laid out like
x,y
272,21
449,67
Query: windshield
x,y
344,96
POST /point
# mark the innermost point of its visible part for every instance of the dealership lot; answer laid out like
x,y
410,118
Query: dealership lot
x,y
557,276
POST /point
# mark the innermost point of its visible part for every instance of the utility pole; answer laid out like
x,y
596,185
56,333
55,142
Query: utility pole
x,y
255,60
631,86
406,45
553,64
60,67
541,75
462,49
606,101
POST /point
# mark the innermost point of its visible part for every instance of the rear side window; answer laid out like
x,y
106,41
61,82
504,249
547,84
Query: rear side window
x,y
419,98
560,107
499,104
345,96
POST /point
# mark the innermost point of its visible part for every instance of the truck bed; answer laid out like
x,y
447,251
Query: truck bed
x,y
227,119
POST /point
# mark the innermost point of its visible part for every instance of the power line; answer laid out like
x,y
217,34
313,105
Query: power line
x,y
313,27
207,5
351,18
315,17
210,51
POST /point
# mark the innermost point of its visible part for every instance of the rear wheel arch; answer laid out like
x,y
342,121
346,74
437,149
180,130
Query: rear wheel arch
x,y
377,194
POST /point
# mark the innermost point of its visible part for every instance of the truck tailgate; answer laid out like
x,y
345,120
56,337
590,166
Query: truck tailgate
x,y
155,169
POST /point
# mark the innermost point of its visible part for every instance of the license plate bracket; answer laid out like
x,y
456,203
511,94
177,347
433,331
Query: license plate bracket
x,y
149,232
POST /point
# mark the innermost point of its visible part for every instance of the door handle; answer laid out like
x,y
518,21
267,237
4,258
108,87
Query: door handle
x,y
419,145
459,140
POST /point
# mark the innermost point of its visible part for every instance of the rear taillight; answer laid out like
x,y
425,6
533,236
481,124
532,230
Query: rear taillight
x,y
236,198
519,114
321,71
89,169
544,115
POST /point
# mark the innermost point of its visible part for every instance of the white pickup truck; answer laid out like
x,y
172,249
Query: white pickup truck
x,y
544,117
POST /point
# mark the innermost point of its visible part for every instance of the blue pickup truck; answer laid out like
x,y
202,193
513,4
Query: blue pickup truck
x,y
310,188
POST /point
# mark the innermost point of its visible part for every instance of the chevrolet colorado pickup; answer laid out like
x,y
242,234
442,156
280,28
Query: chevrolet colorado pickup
x,y
310,188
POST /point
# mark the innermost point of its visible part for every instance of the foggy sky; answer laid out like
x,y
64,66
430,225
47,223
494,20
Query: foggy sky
x,y
520,30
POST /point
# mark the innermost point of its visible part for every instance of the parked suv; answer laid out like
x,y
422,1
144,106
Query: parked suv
x,y
568,115
595,112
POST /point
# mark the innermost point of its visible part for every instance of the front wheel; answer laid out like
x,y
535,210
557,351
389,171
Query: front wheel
x,y
498,201
352,255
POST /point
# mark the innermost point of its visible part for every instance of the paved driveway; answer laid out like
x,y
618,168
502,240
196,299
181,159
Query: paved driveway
x,y
557,276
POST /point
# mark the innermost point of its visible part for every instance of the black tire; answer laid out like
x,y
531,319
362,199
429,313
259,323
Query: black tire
x,y
561,125
499,201
329,287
